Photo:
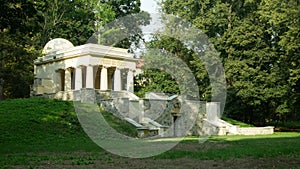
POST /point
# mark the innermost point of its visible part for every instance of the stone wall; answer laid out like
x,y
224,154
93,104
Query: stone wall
x,y
256,130
167,116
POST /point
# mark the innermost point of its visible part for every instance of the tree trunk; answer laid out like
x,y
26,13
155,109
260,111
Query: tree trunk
x,y
1,79
1,89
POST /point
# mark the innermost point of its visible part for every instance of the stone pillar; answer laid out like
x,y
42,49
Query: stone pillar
x,y
89,77
141,113
68,80
213,111
78,78
130,84
117,80
104,80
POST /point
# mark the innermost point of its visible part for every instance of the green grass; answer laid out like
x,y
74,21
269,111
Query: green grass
x,y
42,125
226,147
40,131
235,122
120,125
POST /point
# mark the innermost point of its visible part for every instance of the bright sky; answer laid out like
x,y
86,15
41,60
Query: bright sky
x,y
149,6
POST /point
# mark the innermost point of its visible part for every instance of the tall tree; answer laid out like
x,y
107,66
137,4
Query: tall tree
x,y
258,41
17,29
27,25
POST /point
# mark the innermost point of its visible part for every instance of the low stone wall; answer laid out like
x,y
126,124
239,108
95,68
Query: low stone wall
x,y
256,130
211,129
177,115
223,128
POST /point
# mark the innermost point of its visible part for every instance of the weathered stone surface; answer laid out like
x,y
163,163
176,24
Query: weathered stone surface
x,y
164,117
68,68
256,130
88,96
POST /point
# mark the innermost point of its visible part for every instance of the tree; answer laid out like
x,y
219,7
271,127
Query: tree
x,y
72,20
258,41
17,50
116,18
283,17
27,25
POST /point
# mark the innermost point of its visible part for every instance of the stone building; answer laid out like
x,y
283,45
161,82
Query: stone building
x,y
64,68
93,73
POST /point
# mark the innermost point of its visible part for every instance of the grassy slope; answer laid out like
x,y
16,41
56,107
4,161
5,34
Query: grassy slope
x,y
235,122
34,130
38,125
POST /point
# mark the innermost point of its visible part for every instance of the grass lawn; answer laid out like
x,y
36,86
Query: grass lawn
x,y
43,133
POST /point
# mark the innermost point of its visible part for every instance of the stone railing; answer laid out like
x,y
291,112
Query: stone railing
x,y
256,130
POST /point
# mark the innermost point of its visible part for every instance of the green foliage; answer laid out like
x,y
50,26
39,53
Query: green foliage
x,y
153,80
258,41
27,25
164,72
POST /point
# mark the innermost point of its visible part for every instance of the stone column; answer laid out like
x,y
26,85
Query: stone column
x,y
117,80
89,77
68,79
130,84
104,80
78,78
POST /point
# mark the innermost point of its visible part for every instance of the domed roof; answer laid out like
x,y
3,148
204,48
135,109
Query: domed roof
x,y
57,45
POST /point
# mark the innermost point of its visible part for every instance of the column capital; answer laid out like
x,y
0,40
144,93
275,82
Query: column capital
x,y
131,70
80,66
105,67
59,70
69,68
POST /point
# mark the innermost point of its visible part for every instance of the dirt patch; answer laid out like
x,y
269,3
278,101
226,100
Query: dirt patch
x,y
85,160
124,163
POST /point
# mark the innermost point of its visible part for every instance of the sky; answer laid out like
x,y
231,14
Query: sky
x,y
149,6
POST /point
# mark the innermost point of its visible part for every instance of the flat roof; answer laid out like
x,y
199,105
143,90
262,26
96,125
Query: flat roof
x,y
93,50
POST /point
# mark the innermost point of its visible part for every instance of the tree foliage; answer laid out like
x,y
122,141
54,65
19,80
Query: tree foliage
x,y
27,25
258,42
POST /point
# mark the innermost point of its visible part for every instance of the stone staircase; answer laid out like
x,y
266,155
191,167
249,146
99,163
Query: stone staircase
x,y
127,106
168,116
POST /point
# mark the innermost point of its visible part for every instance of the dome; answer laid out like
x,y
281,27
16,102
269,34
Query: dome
x,y
57,45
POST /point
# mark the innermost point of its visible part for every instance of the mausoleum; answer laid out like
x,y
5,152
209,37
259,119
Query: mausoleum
x,y
104,75
64,68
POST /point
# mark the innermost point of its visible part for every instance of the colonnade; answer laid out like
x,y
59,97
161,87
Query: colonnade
x,y
112,78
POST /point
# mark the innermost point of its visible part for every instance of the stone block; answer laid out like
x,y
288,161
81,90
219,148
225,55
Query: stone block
x,y
88,96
